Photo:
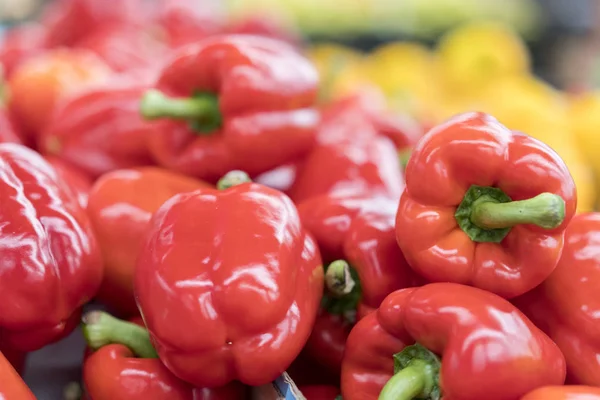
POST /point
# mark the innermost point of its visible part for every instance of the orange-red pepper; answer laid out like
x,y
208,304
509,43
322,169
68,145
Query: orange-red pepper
x,y
12,386
254,271
121,204
51,264
564,393
484,206
489,349
232,102
566,304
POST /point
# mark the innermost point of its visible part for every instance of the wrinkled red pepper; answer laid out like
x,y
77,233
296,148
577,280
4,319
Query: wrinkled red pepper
x,y
116,371
566,304
255,275
232,102
564,393
12,386
73,179
100,130
484,206
351,158
489,349
51,263
359,232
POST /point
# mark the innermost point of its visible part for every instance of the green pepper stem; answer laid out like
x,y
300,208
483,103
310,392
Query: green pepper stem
x,y
155,105
233,178
100,329
407,384
338,278
546,210
404,156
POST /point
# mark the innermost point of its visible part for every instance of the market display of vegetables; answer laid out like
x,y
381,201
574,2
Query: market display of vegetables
x,y
215,204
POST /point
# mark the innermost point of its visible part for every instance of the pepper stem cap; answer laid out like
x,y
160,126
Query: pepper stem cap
x,y
233,178
338,278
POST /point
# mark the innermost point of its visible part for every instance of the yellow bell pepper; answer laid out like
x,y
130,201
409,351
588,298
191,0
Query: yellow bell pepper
x,y
530,106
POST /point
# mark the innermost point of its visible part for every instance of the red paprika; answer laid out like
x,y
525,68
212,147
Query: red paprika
x,y
564,393
12,387
73,179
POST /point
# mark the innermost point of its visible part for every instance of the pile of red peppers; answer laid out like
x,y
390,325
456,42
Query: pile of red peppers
x,y
181,172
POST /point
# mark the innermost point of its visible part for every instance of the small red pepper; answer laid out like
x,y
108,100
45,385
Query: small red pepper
x,y
51,263
566,304
484,206
356,235
320,392
73,179
8,131
121,204
19,44
564,393
249,278
232,102
12,386
351,158
39,84
122,370
100,129
489,349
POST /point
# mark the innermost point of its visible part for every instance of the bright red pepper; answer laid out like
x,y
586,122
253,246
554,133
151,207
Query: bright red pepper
x,y
19,44
188,21
100,130
564,393
360,231
484,206
69,21
51,263
12,386
41,82
115,371
489,349
121,204
8,131
251,107
320,392
73,179
351,158
124,47
565,305
254,271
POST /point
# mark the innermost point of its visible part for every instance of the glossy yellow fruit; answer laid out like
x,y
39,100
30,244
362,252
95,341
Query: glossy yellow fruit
x,y
473,55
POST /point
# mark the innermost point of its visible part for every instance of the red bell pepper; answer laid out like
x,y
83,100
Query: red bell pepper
x,y
489,349
19,44
117,371
12,386
124,47
73,179
41,82
357,232
188,21
320,392
484,206
565,305
51,263
232,102
8,131
16,358
255,275
351,158
120,206
69,21
99,130
564,393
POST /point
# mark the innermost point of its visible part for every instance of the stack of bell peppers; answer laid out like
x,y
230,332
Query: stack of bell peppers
x,y
235,224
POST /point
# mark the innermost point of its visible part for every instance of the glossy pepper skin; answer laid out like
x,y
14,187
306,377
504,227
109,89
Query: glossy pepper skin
x,y
319,392
566,303
51,263
472,160
73,179
480,337
100,130
254,102
12,386
39,84
357,160
121,204
564,393
249,277
360,231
